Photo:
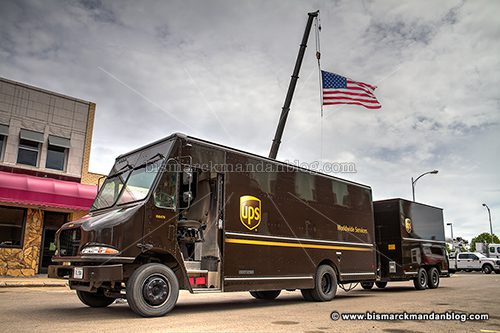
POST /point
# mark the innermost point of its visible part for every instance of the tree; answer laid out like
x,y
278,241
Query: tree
x,y
485,237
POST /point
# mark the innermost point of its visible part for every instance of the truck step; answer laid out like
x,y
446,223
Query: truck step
x,y
192,265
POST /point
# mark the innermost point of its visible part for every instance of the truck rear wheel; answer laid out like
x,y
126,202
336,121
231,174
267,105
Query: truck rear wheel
x,y
367,285
487,269
265,294
381,284
94,300
152,290
325,284
420,282
433,275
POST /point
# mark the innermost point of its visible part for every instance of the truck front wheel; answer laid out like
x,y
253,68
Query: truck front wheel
x,y
94,300
152,290
421,280
433,275
487,269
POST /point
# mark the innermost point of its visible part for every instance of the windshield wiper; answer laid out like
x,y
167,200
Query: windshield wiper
x,y
121,170
151,160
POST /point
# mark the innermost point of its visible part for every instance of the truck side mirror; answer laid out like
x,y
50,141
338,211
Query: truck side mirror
x,y
187,197
187,176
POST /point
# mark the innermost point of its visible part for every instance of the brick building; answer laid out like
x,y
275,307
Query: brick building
x,y
45,140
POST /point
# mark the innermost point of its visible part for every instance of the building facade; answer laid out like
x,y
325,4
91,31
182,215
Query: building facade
x,y
45,140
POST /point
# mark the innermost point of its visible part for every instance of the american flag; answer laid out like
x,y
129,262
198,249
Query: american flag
x,y
341,90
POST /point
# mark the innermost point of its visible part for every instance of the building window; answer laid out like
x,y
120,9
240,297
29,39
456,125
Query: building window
x,y
2,141
28,152
12,222
4,131
56,152
29,147
56,158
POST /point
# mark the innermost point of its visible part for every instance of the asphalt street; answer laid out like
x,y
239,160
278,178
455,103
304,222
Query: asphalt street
x,y
57,309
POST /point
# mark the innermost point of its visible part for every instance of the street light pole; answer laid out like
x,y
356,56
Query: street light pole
x,y
413,182
489,215
452,239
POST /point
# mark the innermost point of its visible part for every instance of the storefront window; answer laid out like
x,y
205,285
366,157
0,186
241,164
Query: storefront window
x,y
11,226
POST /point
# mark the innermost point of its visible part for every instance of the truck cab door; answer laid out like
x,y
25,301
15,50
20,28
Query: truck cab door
x,y
474,262
462,261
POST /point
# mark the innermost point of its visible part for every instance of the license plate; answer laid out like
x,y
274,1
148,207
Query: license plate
x,y
78,273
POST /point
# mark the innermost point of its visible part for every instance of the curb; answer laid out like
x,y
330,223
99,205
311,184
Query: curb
x,y
32,284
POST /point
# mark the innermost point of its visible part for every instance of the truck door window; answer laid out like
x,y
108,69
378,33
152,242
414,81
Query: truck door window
x,y
165,193
474,257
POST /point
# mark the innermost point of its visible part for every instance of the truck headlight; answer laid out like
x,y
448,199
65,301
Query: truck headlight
x,y
98,250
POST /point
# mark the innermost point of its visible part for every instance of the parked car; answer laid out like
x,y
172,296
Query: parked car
x,y
473,261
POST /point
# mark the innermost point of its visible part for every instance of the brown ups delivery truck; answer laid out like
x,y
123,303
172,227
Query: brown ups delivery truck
x,y
184,213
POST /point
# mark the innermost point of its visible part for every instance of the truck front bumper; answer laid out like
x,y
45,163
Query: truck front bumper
x,y
87,274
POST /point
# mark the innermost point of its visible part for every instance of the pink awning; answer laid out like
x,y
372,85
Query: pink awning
x,y
48,192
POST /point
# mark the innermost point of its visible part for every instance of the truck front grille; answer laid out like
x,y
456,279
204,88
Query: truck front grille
x,y
69,242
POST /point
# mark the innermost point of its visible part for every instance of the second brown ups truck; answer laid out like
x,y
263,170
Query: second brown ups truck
x,y
184,213
410,243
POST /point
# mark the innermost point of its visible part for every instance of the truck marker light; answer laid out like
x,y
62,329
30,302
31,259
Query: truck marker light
x,y
250,211
391,246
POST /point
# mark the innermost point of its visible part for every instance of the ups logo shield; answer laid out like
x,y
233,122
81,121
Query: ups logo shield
x,y
250,211
408,225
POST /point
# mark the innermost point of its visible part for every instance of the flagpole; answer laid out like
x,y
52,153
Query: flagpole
x,y
317,25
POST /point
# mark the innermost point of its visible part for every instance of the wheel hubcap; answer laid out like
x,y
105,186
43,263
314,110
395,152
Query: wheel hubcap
x,y
326,283
422,279
155,290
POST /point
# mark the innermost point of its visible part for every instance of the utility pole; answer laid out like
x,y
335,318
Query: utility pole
x,y
291,88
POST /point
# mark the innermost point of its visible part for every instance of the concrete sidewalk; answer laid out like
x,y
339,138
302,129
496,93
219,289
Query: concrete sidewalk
x,y
40,280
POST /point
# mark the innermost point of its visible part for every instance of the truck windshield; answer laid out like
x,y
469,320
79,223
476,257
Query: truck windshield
x,y
132,176
110,191
139,183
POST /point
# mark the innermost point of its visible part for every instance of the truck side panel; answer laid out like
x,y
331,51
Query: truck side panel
x,y
304,220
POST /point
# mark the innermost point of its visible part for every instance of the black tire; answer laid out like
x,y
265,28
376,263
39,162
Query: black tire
x,y
94,300
367,285
420,282
433,275
325,284
265,294
152,290
487,269
497,271
306,293
381,284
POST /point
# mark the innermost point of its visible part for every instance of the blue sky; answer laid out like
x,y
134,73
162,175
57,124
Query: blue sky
x,y
220,69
